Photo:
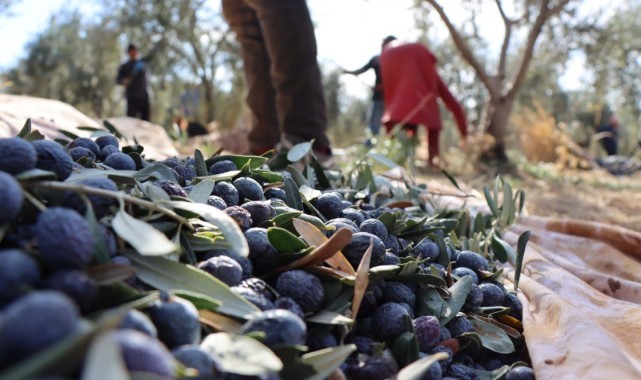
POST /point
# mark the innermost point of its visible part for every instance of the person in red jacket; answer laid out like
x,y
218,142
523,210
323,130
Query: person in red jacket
x,y
412,87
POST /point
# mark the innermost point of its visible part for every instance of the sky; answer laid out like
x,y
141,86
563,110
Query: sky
x,y
348,32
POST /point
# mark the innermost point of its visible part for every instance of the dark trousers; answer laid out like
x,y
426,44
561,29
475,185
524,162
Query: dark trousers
x,y
138,107
285,93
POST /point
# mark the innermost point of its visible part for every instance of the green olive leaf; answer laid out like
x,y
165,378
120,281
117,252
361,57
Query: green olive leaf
x,y
143,237
458,294
327,360
492,337
285,241
168,275
298,151
218,218
201,191
104,360
242,355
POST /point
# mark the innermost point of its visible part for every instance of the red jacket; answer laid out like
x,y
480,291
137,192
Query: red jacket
x,y
411,86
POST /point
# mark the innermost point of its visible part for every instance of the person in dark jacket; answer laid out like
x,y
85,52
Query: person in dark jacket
x,y
133,75
285,93
610,135
377,108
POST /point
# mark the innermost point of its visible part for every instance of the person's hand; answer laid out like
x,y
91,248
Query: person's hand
x,y
126,82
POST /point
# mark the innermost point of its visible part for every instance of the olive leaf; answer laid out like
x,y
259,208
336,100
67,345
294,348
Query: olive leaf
x,y
508,208
240,161
104,360
309,193
143,237
109,273
490,201
222,221
284,241
167,275
362,279
242,355
26,129
200,301
156,170
323,252
405,347
501,249
429,302
493,337
292,194
298,151
112,128
327,360
520,253
458,294
314,237
201,166
219,321
327,317
154,193
419,368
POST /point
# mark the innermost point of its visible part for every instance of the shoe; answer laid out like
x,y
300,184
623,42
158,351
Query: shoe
x,y
325,157
323,154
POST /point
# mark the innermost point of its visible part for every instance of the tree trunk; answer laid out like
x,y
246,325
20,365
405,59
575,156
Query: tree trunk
x,y
497,116
210,108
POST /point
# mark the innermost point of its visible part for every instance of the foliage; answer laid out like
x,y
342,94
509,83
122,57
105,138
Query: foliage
x,y
185,44
162,236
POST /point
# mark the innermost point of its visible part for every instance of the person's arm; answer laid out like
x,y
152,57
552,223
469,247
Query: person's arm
x,y
122,77
360,71
453,105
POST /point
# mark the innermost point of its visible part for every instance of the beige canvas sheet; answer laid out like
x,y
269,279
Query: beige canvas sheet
x,y
581,292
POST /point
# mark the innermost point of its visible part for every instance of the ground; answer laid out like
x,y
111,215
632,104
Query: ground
x,y
593,195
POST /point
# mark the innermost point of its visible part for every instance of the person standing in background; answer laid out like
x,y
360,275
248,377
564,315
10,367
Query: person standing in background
x,y
133,75
377,108
412,86
285,93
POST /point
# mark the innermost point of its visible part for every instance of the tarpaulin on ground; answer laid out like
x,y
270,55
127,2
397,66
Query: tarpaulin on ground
x,y
50,117
581,291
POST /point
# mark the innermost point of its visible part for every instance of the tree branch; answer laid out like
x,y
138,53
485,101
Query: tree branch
x,y
545,13
506,40
465,50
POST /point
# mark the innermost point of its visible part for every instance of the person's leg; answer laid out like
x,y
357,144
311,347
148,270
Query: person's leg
x,y
131,107
433,145
144,109
375,115
265,133
289,37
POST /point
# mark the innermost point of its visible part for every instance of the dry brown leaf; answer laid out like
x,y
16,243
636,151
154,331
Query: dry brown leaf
x,y
331,272
109,273
329,248
219,322
400,204
313,236
510,321
362,280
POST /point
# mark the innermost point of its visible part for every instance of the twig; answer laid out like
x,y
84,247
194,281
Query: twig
x,y
36,202
108,193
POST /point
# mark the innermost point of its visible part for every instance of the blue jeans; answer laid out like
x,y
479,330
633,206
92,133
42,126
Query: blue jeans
x,y
375,113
